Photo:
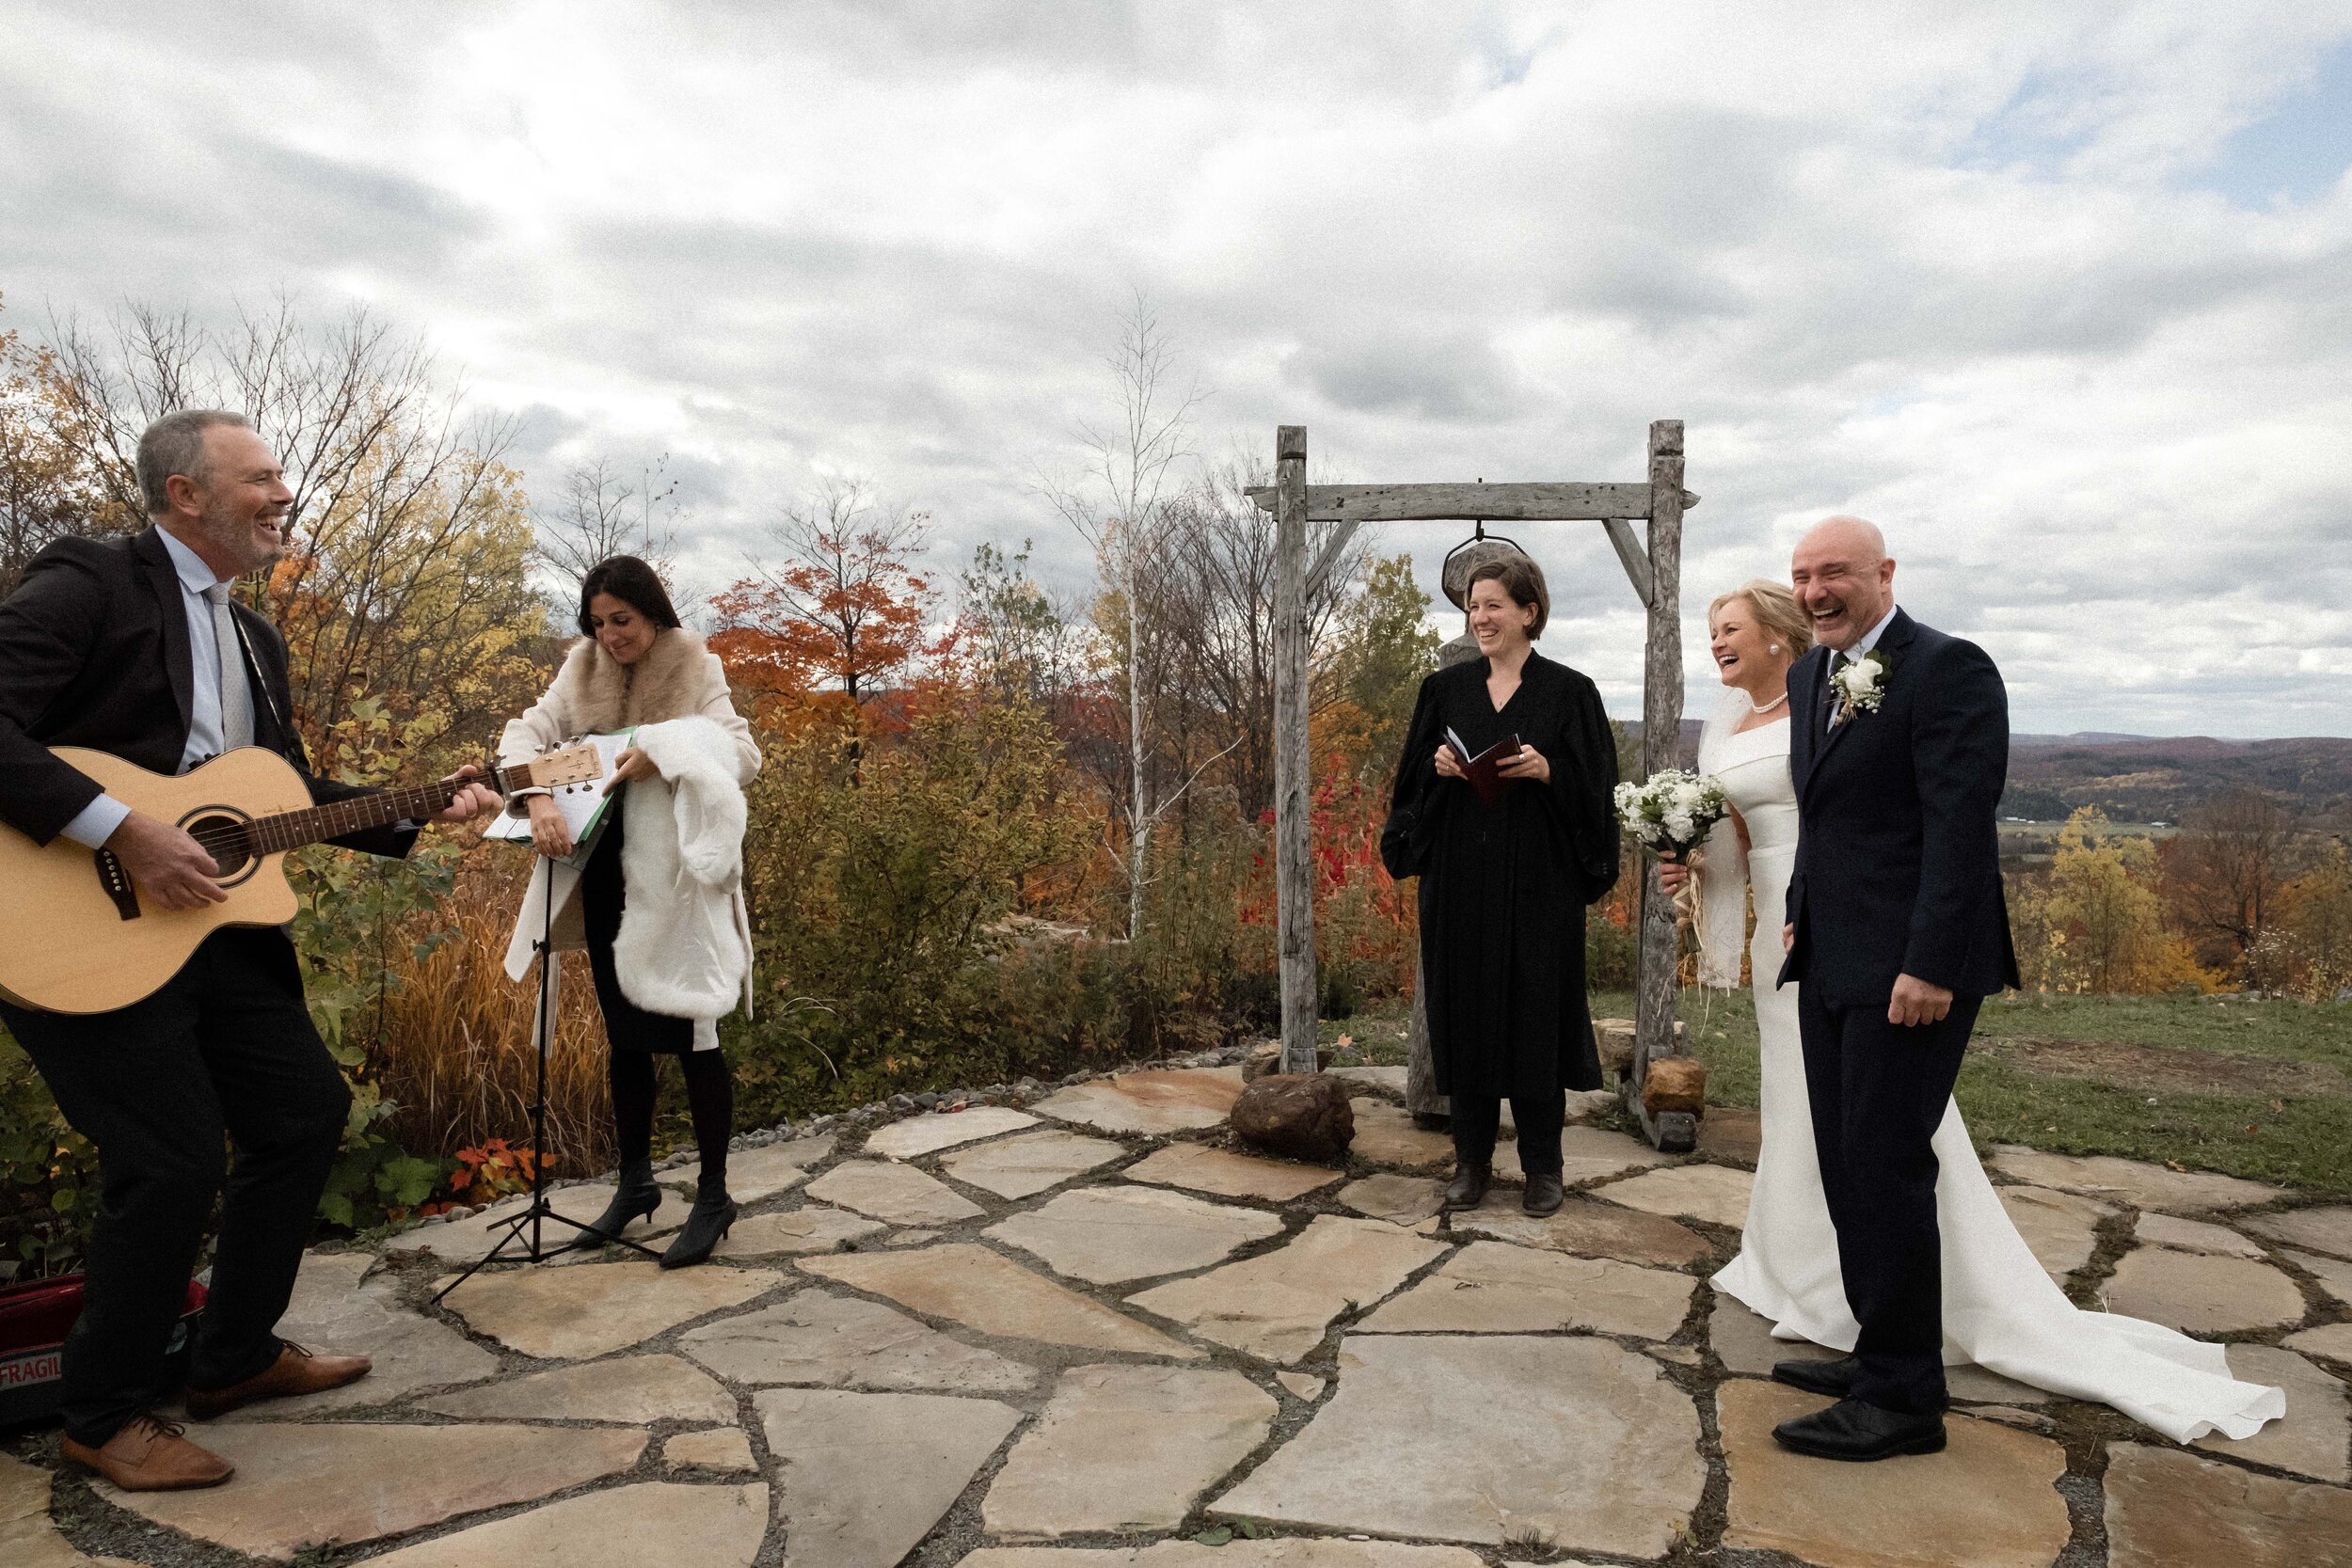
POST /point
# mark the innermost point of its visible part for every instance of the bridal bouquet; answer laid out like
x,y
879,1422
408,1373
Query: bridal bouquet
x,y
1672,812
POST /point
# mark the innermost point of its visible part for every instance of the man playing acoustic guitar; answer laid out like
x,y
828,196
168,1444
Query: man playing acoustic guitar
x,y
134,647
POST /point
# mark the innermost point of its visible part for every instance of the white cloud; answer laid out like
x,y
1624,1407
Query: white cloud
x,y
2015,280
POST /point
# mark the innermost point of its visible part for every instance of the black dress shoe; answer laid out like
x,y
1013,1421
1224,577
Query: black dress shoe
x,y
1467,1189
1850,1430
1543,1194
1834,1378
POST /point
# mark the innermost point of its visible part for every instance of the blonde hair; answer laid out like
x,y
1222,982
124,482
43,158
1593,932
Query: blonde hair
x,y
1776,610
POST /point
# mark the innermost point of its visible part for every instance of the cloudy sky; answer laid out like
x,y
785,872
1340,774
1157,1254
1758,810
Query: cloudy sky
x,y
2062,295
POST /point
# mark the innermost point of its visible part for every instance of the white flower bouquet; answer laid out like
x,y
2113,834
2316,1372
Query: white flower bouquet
x,y
1671,812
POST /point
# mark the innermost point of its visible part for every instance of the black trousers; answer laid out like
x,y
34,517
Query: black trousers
x,y
224,1054
1478,1119
1878,1092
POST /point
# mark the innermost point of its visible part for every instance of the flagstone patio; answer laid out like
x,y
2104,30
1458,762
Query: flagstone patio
x,y
1076,1328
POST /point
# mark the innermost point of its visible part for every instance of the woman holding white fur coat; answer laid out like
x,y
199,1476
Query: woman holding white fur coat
x,y
660,904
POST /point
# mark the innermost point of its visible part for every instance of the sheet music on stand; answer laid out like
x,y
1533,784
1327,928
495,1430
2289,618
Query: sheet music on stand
x,y
586,807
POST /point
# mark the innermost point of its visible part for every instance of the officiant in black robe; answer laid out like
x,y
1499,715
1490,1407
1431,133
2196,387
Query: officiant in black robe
x,y
1505,885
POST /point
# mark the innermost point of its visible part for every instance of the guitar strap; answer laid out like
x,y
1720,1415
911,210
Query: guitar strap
x,y
260,677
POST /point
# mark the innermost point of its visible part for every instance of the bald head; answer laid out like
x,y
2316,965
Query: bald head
x,y
1843,578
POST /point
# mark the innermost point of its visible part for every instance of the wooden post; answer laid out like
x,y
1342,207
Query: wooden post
x,y
1293,863
1662,746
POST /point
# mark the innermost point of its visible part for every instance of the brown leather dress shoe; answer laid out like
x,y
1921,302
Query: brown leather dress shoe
x,y
295,1371
148,1455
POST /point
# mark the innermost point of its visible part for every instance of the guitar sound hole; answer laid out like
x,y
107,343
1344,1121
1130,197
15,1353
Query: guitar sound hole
x,y
226,839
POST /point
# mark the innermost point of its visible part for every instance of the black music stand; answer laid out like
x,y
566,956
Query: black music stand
x,y
535,1250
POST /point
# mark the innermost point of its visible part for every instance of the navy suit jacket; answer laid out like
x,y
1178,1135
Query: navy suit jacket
x,y
1899,866
94,651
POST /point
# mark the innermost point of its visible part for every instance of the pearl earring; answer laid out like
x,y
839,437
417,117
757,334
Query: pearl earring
x,y
1775,647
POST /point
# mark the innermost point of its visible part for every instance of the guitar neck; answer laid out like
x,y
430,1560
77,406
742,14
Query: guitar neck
x,y
290,830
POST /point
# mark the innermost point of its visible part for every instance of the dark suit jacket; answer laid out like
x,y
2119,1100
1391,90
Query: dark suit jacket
x,y
1899,868
94,651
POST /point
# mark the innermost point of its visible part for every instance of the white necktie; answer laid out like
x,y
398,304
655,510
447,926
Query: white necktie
x,y
237,691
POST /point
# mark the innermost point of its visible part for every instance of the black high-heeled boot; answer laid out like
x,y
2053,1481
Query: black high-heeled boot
x,y
706,1224
637,1198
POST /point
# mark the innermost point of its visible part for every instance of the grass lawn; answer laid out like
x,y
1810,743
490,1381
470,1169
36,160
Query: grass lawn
x,y
2261,1089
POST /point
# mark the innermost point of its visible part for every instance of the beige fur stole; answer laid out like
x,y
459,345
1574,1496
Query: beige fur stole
x,y
670,682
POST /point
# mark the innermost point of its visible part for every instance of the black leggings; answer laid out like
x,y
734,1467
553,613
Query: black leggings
x,y
709,1094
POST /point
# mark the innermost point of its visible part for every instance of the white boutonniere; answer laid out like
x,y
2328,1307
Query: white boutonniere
x,y
1861,684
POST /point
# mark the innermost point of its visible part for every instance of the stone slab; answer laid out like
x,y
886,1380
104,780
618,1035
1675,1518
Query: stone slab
x,y
629,1527
1731,1133
1028,1165
629,1390
1113,1235
574,1314
1405,1200
1307,1388
2327,1230
2132,1181
823,1339
1126,1448
2061,1229
2165,1509
886,1189
724,1449
1385,1080
1477,1438
2334,1276
2201,1294
864,1476
927,1134
1222,1173
813,1228
299,1485
335,1311
1715,1193
1278,1552
1279,1305
1595,1154
1743,1340
2156,1229
1493,1287
2311,1438
756,1175
27,1539
1989,1499
1385,1136
1587,1229
1584,1103
1153,1103
470,1239
2329,1341
970,1285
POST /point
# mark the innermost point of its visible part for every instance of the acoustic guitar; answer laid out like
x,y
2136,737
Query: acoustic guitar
x,y
75,936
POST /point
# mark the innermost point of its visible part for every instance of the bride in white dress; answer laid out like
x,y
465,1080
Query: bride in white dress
x,y
2001,1310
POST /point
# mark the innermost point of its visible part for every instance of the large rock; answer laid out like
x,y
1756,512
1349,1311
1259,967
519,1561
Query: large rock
x,y
1588,1229
756,1175
573,1314
301,1483
2311,1438
1126,1448
1279,1305
1150,1102
335,1309
2142,1186
886,1189
1112,1235
928,1135
1385,1136
1223,1173
1989,1501
1480,1438
629,1390
2203,1295
1490,1288
2165,1509
1674,1084
1389,1080
968,1284
864,1476
834,1341
2327,1230
2061,1229
711,1527
1295,1116
1715,1193
1028,1165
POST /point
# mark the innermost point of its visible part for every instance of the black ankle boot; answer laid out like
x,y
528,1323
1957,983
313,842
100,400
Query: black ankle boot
x,y
706,1224
1467,1189
637,1198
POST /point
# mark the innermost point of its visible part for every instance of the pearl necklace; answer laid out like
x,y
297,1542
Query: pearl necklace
x,y
1768,706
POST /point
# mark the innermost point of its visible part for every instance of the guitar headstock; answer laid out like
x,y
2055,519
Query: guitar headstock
x,y
568,764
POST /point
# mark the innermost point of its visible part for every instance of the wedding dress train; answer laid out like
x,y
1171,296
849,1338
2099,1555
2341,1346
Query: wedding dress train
x,y
2001,1310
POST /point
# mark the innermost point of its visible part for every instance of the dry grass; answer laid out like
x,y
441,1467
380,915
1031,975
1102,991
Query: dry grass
x,y
457,1052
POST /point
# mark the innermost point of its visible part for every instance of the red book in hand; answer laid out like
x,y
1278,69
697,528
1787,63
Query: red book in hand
x,y
1484,769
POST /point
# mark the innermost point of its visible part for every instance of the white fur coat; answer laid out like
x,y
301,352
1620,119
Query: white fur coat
x,y
684,949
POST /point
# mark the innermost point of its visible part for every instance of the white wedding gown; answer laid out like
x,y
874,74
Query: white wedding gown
x,y
2001,1310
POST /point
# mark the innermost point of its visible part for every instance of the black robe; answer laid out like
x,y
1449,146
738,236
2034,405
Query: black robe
x,y
1504,887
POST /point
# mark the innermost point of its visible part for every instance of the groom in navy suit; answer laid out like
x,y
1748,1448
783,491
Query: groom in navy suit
x,y
1897,930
